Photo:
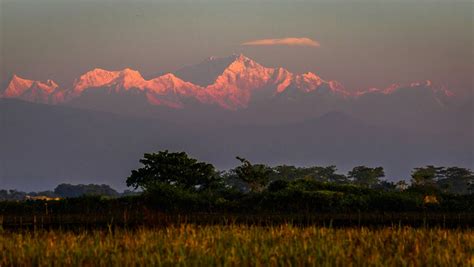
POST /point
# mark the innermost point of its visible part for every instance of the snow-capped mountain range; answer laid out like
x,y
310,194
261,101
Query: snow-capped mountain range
x,y
96,128
235,80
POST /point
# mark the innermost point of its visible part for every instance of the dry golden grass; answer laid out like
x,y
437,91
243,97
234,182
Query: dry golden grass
x,y
286,245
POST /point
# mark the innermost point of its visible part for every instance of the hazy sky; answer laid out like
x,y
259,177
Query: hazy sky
x,y
361,44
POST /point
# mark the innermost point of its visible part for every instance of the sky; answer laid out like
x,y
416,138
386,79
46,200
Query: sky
x,y
362,44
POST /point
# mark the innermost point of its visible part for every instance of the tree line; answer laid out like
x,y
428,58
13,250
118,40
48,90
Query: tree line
x,y
175,182
64,191
178,170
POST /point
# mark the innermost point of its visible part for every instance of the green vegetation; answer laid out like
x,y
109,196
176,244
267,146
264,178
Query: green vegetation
x,y
173,184
237,245
175,169
63,191
180,171
365,176
188,213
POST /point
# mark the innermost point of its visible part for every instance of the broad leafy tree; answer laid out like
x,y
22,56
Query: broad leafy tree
x,y
329,175
426,176
173,168
257,176
456,180
365,176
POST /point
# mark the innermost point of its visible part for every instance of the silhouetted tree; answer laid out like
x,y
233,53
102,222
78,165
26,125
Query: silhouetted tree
x,y
455,180
331,176
365,176
256,176
176,169
426,176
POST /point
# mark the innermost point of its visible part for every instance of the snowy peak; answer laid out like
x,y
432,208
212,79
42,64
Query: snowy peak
x,y
229,82
235,86
246,74
171,78
17,86
242,63
169,90
282,79
237,78
118,80
169,83
308,82
128,79
131,75
414,86
245,65
94,78
29,90
245,69
416,92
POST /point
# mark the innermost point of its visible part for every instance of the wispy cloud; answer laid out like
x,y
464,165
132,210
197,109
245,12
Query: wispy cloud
x,y
284,41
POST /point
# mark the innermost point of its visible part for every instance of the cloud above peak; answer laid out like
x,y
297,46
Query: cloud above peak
x,y
290,41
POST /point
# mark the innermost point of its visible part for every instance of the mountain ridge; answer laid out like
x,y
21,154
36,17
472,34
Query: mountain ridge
x,y
239,80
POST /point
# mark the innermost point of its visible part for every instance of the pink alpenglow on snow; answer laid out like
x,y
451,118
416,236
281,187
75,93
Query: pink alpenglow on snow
x,y
395,87
233,89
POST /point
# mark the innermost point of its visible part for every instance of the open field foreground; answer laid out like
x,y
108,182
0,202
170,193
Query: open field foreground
x,y
286,245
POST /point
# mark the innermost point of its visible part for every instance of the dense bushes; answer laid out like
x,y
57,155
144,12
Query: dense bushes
x,y
175,183
302,197
294,199
260,188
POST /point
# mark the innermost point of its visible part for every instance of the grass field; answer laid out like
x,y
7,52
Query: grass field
x,y
285,245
